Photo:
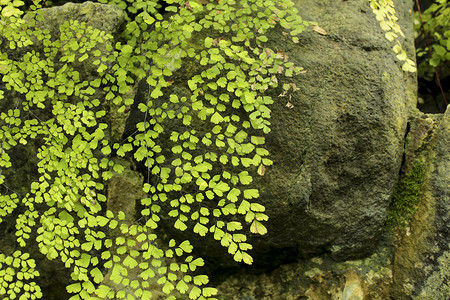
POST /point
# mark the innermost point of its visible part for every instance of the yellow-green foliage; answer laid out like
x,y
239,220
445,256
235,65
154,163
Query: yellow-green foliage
x,y
436,22
385,12
65,205
56,108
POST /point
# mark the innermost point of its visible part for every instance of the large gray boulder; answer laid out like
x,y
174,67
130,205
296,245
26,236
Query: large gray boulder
x,y
337,152
337,144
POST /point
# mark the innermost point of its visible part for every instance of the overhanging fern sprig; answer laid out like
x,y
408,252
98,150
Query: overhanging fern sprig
x,y
385,13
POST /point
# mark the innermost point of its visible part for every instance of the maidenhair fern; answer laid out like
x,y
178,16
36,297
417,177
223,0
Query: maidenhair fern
x,y
17,274
64,209
385,13
201,177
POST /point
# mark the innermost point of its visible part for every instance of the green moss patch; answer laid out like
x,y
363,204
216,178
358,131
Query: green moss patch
x,y
406,197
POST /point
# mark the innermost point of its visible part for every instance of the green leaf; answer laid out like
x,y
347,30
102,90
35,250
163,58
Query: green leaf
x,y
240,136
233,226
195,293
127,49
65,217
200,229
262,38
34,185
208,42
73,288
390,36
222,82
244,207
84,57
192,85
201,279
149,20
102,221
186,246
249,96
97,275
233,194
182,287
101,68
177,149
257,228
409,66
198,262
251,193
257,140
146,295
168,287
402,56
257,207
238,256
180,225
102,291
216,118
130,262
208,291
87,246
245,178
156,92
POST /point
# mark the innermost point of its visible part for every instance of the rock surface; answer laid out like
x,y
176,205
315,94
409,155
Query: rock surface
x,y
422,260
107,18
337,152
316,278
411,262
337,144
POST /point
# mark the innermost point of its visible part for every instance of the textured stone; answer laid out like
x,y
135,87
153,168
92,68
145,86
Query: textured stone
x,y
422,260
411,262
337,144
337,152
316,278
107,18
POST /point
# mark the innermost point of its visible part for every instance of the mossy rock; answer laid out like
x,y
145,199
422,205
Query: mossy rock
x,y
336,144
421,265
